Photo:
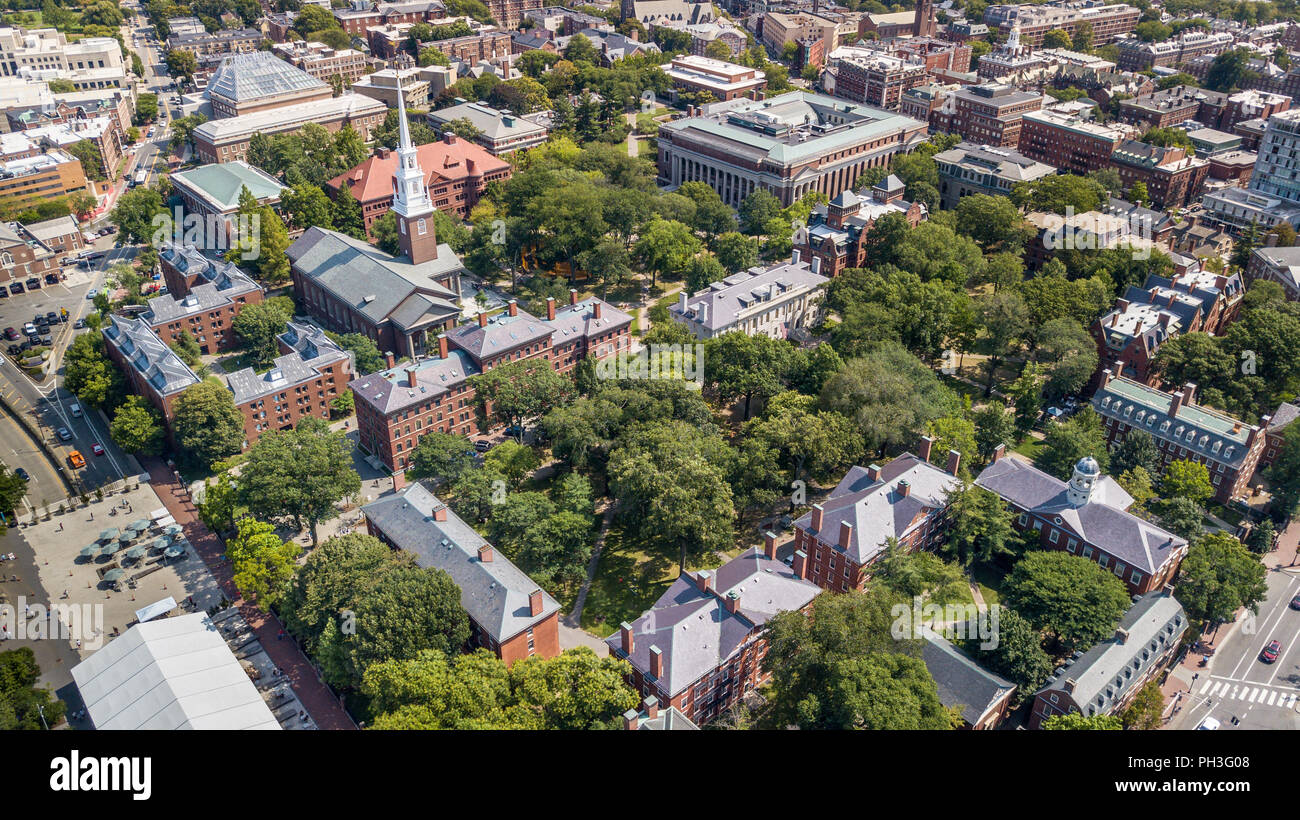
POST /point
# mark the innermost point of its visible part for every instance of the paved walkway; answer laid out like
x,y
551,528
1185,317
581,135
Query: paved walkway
x,y
319,701
574,618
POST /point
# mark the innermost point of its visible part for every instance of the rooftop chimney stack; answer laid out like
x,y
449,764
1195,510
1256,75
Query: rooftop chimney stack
x,y
485,553
954,462
769,545
482,318
846,534
1121,635
817,514
514,307
904,488
1069,686
625,633
535,603
1175,402
794,257
550,308
704,580
1189,393
732,601
573,296
631,719
656,662
440,513
442,345
923,449
800,565
651,707
998,452
873,472
595,310
390,359
410,377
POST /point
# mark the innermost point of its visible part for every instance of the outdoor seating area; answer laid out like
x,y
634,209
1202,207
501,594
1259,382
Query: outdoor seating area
x,y
143,541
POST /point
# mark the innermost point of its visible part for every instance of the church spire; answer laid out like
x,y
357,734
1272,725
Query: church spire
x,y
411,203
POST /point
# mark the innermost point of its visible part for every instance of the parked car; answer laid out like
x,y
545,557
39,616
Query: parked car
x,y
75,410
51,279
11,334
4,292
33,284
97,449
79,324
47,340
64,434
29,329
21,473
67,260
16,288
90,295
53,317
1270,653
482,446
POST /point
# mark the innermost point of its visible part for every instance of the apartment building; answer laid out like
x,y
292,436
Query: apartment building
x,y
44,50
1088,517
322,61
226,140
1273,195
487,43
102,132
61,235
402,403
1280,265
1172,106
500,132
775,301
1135,55
780,28
24,254
988,114
936,54
43,177
1229,448
457,175
725,81
361,16
227,41
872,77
203,298
1105,679
509,614
968,168
700,647
837,231
1130,336
1067,142
1011,60
1108,22
1173,179
789,145
906,499
260,81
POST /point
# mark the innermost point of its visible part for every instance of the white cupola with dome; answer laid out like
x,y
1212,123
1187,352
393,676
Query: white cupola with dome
x,y
1086,475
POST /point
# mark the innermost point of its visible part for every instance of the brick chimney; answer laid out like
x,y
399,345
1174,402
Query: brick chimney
x,y
923,448
904,488
954,462
732,601
656,662
1189,393
595,310
1069,686
1001,450
390,359
535,603
442,345
485,553
704,581
1106,376
873,472
800,565
482,319
846,534
650,706
410,377
449,138
817,514
550,308
1121,635
631,719
769,544
1121,305
625,633
513,307
440,513
573,296
1175,402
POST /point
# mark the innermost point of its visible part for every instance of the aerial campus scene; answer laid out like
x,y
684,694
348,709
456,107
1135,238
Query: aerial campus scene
x,y
651,365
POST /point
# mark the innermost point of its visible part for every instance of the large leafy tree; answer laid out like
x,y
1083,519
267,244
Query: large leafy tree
x,y
811,443
206,424
520,391
88,373
262,562
136,427
1187,479
1138,449
982,529
24,705
1077,722
1068,441
740,366
299,474
1218,577
134,215
259,325
442,457
1074,599
1018,655
665,247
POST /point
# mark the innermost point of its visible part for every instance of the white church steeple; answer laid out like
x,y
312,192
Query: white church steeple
x,y
410,194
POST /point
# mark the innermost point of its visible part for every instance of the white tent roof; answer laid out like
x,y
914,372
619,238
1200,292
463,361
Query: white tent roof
x,y
174,673
155,609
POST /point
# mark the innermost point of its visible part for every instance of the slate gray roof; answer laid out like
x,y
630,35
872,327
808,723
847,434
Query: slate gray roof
x,y
387,390
503,332
722,302
219,285
1104,674
495,594
694,631
668,719
1285,262
311,351
1285,414
1215,435
877,509
960,680
52,228
1103,522
255,74
373,282
495,125
157,362
579,321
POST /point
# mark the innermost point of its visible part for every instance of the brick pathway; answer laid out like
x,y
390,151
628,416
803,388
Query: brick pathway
x,y
312,693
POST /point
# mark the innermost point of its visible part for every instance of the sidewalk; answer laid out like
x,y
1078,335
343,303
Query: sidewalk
x,y
314,695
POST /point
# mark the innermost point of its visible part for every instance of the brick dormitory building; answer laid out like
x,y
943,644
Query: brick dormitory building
x,y
509,614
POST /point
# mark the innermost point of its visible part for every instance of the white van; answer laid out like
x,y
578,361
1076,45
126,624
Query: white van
x,y
75,409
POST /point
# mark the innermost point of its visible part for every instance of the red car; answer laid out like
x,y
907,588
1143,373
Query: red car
x,y
97,449
1271,651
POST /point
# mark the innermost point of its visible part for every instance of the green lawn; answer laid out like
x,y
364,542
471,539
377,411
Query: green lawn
x,y
628,580
1030,447
989,581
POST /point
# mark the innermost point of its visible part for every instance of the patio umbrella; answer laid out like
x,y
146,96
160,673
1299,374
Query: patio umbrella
x,y
109,534
139,525
135,553
160,542
87,552
114,574
126,537
109,548
173,551
172,529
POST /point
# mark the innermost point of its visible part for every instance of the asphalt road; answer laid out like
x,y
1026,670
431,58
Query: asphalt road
x,y
1238,684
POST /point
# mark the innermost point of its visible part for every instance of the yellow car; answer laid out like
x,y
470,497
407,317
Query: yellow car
x,y
76,460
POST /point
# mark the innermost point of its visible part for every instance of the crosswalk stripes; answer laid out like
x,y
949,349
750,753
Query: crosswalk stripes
x,y
1263,695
